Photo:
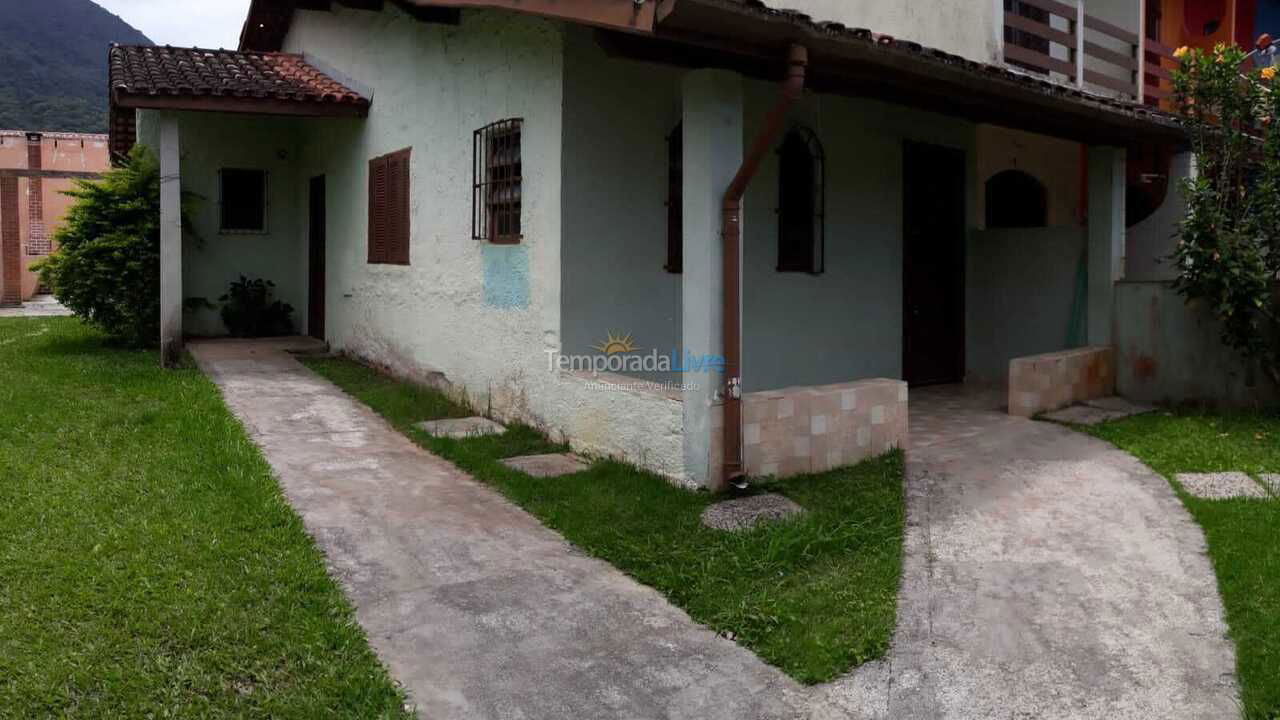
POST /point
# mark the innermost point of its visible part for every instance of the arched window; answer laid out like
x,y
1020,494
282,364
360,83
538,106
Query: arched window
x,y
801,203
675,200
1016,200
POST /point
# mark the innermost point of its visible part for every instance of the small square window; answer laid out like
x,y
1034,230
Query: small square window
x,y
243,199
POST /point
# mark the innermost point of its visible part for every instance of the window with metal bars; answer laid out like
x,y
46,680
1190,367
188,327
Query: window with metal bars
x,y
496,192
801,203
675,200
389,208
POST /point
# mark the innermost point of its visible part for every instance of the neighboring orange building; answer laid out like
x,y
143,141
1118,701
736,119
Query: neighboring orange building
x,y
35,168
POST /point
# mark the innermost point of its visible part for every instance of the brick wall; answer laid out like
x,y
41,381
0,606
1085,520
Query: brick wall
x,y
816,429
10,243
37,237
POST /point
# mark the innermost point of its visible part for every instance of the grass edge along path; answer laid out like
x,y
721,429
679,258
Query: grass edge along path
x,y
149,564
1243,535
815,596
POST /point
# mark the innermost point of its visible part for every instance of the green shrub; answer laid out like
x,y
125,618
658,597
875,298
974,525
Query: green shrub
x,y
1228,252
107,265
249,310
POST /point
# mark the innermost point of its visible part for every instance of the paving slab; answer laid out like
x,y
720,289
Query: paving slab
x,y
545,466
749,512
1096,412
1272,482
460,428
1221,485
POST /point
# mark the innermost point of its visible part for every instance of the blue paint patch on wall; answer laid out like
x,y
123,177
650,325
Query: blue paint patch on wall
x,y
506,276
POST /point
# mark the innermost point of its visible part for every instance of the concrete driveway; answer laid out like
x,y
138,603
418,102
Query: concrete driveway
x,y
1047,575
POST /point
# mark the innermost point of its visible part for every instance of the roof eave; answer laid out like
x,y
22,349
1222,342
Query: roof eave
x,y
241,105
856,63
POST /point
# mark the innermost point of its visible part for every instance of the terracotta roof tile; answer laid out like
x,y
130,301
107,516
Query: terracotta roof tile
x,y
193,72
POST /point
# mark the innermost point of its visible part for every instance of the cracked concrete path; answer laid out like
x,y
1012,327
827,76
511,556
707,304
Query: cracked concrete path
x,y
1047,575
474,606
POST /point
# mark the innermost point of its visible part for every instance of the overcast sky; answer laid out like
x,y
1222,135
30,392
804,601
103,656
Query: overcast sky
x,y
184,23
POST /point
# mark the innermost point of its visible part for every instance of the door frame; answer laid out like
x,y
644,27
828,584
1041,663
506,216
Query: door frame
x,y
317,244
910,148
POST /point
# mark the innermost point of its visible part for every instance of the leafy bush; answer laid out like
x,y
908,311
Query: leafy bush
x,y
107,265
250,311
1228,252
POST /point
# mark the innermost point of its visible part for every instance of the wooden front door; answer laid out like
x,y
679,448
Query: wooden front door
x,y
315,293
933,264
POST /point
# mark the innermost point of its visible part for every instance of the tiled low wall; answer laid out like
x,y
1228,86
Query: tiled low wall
x,y
1043,383
814,429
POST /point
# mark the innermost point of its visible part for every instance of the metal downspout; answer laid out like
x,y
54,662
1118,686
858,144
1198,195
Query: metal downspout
x,y
793,88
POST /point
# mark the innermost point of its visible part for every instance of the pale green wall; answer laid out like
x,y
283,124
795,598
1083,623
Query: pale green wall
x,y
212,260
618,115
846,323
1023,286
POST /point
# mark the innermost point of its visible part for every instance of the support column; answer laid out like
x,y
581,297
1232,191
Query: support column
x,y
1106,238
713,137
170,241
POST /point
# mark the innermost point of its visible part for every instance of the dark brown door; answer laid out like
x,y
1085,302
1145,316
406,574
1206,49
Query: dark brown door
x,y
933,264
315,294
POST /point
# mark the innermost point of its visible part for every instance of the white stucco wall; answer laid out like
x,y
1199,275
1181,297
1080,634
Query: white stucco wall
x,y
481,315
962,27
211,260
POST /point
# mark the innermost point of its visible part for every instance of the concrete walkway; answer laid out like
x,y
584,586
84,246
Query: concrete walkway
x,y
475,607
1047,575
38,306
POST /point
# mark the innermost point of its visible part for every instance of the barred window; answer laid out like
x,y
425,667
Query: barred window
x,y
801,203
675,200
496,193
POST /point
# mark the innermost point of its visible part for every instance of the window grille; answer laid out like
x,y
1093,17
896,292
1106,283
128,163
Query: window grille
x,y
497,186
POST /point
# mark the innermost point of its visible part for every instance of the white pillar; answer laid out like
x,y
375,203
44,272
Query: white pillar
x,y
1106,238
170,241
713,137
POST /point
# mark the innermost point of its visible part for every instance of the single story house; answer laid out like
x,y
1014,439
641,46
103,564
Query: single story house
x,y
710,237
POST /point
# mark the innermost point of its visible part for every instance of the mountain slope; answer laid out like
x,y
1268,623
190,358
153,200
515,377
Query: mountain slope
x,y
54,59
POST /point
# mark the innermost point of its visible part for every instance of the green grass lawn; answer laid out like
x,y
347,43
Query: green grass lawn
x,y
1243,535
149,566
814,597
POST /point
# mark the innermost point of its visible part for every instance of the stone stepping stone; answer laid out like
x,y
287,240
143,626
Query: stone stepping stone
x,y
747,513
545,466
1221,486
1096,412
460,428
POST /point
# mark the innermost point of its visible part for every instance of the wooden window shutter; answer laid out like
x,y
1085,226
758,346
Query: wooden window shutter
x,y
389,201
398,207
378,210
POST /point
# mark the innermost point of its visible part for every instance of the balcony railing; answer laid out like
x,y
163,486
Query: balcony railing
x,y
1060,39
